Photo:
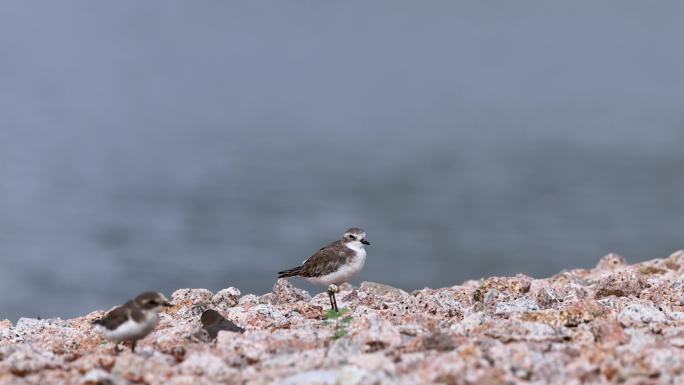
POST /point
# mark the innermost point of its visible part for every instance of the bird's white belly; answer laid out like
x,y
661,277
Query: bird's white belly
x,y
344,273
131,330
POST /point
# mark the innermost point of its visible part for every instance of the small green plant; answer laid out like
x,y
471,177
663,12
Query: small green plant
x,y
340,321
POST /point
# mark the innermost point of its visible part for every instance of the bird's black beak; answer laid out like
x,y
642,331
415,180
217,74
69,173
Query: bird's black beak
x,y
365,242
167,304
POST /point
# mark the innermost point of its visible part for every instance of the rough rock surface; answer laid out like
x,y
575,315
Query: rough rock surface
x,y
616,323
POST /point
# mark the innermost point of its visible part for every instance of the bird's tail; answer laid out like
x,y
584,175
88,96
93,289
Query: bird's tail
x,y
97,322
293,272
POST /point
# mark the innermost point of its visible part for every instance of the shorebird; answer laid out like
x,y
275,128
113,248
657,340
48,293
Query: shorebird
x,y
213,322
133,320
333,264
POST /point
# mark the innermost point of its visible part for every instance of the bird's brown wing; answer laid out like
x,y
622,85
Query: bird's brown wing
x,y
115,317
325,261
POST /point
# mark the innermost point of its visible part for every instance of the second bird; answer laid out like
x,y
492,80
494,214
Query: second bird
x,y
333,264
133,320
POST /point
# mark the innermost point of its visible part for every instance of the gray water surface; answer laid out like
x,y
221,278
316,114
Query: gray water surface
x,y
164,145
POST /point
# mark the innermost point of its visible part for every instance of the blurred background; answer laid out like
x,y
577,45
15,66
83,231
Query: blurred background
x,y
163,145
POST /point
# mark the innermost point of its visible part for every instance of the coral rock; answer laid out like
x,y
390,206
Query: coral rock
x,y
616,323
637,314
285,292
226,298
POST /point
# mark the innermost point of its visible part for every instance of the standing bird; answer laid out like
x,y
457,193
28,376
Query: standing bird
x,y
333,264
133,320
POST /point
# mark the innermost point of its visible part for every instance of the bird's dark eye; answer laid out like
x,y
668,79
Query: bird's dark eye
x,y
352,237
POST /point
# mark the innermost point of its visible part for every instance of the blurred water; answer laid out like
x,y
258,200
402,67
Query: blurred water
x,y
148,147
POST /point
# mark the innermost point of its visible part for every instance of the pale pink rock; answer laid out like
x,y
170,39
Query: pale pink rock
x,y
248,300
637,314
154,369
22,359
382,290
470,323
285,292
374,333
515,330
519,305
543,294
344,375
616,323
226,298
395,301
188,304
373,362
100,376
609,332
191,296
676,261
209,366
440,303
621,283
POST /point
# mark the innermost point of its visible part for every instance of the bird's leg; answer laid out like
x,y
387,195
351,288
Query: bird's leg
x,y
133,343
333,302
332,289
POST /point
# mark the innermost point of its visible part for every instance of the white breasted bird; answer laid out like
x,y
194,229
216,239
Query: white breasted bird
x,y
333,264
133,320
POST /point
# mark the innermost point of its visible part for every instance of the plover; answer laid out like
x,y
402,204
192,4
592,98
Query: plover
x,y
133,320
213,322
333,264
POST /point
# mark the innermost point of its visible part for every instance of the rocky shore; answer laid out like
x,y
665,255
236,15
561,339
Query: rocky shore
x,y
616,323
